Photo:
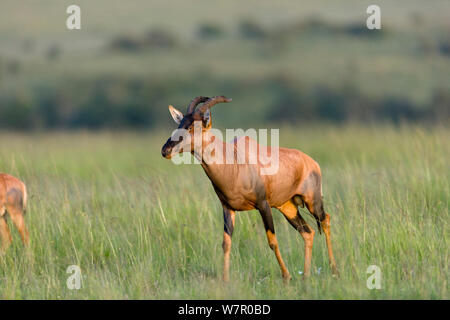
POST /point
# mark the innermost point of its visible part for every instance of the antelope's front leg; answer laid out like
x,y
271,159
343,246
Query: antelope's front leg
x,y
228,219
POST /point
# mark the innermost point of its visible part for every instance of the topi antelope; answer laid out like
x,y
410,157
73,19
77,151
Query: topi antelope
x,y
13,200
241,186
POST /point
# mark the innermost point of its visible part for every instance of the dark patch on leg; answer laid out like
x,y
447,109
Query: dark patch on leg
x,y
312,186
228,222
315,207
266,215
319,213
299,223
318,208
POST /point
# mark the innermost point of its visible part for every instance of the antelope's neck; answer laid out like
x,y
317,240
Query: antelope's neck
x,y
211,145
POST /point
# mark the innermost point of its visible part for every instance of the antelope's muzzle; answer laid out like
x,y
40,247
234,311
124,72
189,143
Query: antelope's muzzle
x,y
167,148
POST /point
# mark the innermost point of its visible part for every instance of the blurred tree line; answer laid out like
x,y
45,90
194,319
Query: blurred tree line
x,y
127,102
142,103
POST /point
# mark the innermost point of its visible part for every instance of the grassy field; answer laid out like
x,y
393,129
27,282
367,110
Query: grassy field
x,y
141,227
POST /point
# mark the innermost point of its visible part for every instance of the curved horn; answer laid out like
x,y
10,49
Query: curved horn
x,y
213,101
195,102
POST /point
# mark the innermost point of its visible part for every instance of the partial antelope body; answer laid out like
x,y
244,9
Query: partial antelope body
x,y
241,186
13,201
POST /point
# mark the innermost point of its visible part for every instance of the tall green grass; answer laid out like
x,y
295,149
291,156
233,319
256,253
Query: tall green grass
x,y
141,227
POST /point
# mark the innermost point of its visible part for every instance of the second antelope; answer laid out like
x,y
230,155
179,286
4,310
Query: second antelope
x,y
242,187
13,201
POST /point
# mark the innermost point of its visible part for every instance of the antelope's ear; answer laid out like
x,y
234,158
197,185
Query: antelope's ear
x,y
176,114
207,119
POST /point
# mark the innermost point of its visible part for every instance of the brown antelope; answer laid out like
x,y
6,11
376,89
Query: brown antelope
x,y
13,200
241,186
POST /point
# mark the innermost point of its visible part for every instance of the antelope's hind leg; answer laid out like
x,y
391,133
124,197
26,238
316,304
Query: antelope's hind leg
x,y
4,230
314,204
291,213
326,230
19,221
266,214
15,210
228,219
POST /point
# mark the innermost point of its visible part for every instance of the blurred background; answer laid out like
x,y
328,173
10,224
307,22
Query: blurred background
x,y
281,62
